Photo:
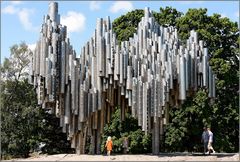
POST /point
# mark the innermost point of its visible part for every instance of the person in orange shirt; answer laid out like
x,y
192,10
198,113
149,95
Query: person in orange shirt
x,y
109,145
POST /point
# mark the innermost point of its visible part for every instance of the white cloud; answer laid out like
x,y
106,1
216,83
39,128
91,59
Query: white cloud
x,y
223,15
74,21
94,5
237,13
23,15
15,2
32,46
9,10
121,6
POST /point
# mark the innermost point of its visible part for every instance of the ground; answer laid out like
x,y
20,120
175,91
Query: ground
x,y
160,157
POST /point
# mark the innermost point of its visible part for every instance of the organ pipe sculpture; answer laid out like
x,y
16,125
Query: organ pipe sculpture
x,y
146,76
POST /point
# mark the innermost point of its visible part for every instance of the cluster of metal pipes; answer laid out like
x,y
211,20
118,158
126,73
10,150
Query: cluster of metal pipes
x,y
145,76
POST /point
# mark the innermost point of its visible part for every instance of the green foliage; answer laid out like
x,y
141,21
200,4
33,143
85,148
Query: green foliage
x,y
184,131
19,118
23,123
167,16
15,66
117,129
140,143
194,19
51,134
221,36
126,25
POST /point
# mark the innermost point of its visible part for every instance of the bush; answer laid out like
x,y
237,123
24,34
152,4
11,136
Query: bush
x,y
138,141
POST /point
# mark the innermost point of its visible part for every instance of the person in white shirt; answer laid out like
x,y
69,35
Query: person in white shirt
x,y
210,141
205,139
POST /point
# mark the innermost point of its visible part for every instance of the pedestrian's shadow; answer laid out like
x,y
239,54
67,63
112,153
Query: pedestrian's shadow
x,y
219,155
171,154
111,154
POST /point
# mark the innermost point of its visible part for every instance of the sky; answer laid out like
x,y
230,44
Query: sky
x,y
21,20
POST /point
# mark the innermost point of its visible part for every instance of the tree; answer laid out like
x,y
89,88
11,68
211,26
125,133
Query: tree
x,y
51,134
16,67
23,123
13,133
221,36
117,129
167,16
184,131
19,118
126,25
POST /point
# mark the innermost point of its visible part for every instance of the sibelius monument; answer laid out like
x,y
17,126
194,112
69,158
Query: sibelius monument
x,y
146,75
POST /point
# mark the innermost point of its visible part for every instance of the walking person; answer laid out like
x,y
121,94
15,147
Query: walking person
x,y
109,145
125,145
210,141
205,139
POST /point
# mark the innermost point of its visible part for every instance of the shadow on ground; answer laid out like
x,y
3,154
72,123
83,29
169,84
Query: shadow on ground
x,y
218,155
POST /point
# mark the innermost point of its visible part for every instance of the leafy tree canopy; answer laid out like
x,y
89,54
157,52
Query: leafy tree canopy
x,y
117,129
24,125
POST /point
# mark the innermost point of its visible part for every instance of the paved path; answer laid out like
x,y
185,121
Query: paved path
x,y
161,157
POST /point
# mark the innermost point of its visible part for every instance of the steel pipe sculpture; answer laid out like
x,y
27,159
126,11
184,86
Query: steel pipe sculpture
x,y
145,76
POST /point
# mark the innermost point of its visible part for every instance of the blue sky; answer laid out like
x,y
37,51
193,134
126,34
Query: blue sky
x,y
21,20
